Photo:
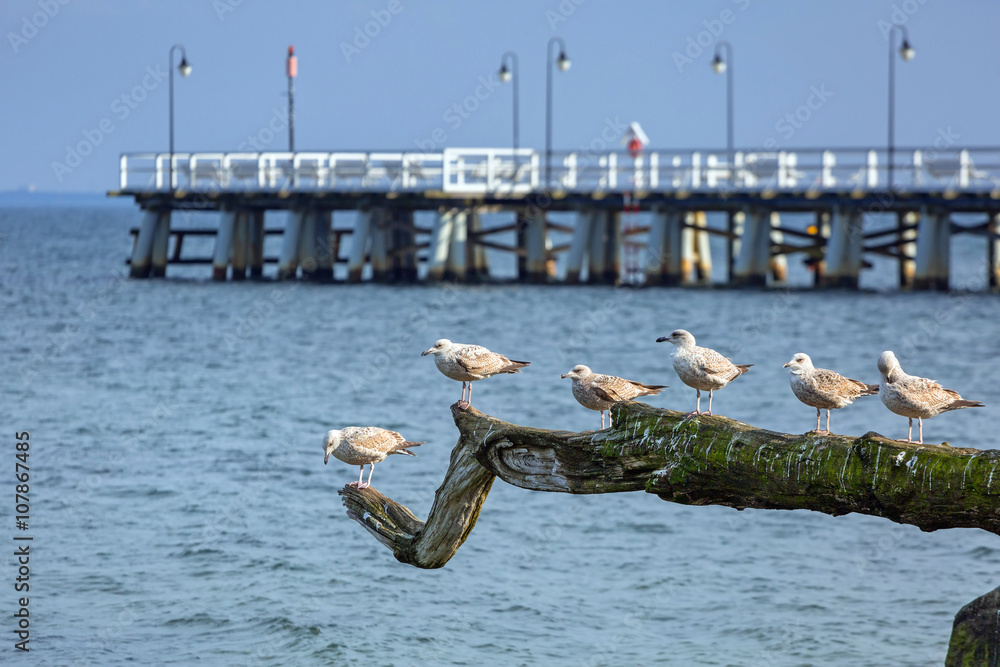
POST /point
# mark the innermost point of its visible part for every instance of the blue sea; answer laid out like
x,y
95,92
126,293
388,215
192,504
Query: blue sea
x,y
181,513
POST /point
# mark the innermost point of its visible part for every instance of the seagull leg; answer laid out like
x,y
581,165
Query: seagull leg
x,y
697,405
817,419
602,419
610,423
909,431
463,403
710,393
920,426
470,392
360,475
828,421
369,482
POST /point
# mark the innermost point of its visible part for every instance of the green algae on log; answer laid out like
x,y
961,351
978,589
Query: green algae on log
x,y
699,461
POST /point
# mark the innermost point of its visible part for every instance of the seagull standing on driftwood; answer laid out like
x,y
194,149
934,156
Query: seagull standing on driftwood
x,y
912,396
468,363
701,367
600,392
824,389
358,445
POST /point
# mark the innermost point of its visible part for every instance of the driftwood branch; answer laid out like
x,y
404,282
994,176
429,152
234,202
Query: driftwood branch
x,y
706,461
702,461
456,507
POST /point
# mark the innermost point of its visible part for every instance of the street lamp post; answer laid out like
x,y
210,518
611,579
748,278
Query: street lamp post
x,y
506,74
906,52
720,66
563,63
184,68
292,68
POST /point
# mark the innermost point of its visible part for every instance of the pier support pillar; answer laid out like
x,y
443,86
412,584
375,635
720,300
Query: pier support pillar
x,y
359,245
536,255
288,263
379,233
455,267
604,266
440,243
307,244
596,267
843,251
161,242
702,249
477,267
579,245
402,247
241,240
223,244
755,251
322,245
613,248
665,234
907,248
142,251
993,252
823,226
933,249
256,244
736,224
779,261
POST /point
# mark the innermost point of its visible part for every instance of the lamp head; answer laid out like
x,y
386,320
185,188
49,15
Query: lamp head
x,y
718,64
563,62
906,51
504,73
184,68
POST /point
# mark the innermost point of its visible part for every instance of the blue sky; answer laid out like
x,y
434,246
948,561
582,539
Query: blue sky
x,y
90,74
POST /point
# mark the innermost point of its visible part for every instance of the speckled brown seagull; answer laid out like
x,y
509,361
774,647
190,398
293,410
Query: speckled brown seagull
x,y
912,396
358,445
600,392
824,389
468,363
701,367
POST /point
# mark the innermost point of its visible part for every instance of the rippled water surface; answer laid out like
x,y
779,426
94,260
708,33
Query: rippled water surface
x,y
182,513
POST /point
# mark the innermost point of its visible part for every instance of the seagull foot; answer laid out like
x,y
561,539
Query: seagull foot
x,y
694,414
361,485
463,405
820,431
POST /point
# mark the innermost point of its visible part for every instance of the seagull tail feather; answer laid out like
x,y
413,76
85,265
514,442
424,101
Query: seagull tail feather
x,y
403,447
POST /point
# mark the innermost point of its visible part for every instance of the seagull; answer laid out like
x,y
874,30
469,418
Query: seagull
x,y
358,445
600,392
468,363
701,367
823,389
912,396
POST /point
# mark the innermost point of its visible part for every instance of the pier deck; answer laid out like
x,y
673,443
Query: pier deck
x,y
646,211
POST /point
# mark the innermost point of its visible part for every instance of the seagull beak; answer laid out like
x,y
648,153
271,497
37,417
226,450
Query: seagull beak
x,y
564,375
787,364
663,339
426,352
326,459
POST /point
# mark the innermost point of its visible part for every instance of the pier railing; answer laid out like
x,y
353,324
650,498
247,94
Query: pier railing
x,y
502,171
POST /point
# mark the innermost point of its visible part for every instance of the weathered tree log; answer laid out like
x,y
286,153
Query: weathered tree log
x,y
702,461
975,639
706,461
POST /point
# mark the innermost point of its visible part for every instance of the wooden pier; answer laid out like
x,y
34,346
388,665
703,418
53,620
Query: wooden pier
x,y
641,220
